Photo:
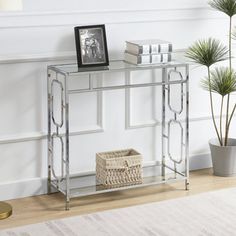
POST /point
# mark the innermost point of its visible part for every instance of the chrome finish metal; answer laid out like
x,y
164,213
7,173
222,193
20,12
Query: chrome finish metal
x,y
59,129
123,87
49,132
175,171
176,113
187,131
163,136
67,207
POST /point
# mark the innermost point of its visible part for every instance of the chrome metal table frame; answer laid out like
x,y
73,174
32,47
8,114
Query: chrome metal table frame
x,y
59,75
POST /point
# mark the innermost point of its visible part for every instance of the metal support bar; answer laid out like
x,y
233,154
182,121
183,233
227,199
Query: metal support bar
x,y
163,149
187,131
67,144
49,132
175,171
122,87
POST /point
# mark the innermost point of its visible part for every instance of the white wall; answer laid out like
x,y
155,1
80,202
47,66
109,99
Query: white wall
x,y
42,35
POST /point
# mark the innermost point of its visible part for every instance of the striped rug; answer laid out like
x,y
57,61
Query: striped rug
x,y
207,214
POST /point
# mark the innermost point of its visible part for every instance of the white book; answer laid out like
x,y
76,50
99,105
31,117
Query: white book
x,y
152,46
156,58
137,59
146,59
166,57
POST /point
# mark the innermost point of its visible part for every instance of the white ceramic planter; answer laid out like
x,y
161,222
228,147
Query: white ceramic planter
x,y
223,158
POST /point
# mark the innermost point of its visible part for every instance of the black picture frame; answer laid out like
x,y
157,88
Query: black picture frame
x,y
91,46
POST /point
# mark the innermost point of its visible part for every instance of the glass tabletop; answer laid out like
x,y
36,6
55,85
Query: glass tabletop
x,y
114,66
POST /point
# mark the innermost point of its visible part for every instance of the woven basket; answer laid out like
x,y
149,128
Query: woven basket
x,y
119,168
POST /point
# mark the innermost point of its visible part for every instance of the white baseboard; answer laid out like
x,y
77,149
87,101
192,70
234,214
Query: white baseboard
x,y
198,162
23,188
38,186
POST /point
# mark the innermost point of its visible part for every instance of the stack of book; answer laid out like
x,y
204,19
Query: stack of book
x,y
151,51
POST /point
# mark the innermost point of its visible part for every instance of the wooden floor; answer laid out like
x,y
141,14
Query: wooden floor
x,y
47,207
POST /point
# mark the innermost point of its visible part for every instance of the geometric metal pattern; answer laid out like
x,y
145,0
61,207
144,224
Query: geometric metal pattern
x,y
173,120
58,128
176,112
170,124
171,72
58,124
63,161
56,135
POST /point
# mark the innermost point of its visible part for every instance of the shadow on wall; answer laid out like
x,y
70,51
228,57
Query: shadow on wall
x,y
67,42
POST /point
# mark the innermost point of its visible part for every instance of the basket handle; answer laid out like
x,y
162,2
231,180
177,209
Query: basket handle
x,y
127,164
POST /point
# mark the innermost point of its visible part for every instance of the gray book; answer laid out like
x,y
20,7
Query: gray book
x,y
147,59
148,46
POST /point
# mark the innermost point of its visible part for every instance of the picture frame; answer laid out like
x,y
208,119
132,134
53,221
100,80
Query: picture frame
x,y
91,46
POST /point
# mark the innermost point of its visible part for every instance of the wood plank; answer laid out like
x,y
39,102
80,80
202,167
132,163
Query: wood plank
x,y
48,207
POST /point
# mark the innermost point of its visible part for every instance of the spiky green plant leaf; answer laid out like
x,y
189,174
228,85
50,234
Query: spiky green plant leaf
x,y
223,81
226,6
207,52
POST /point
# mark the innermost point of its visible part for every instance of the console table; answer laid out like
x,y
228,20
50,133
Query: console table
x,y
172,74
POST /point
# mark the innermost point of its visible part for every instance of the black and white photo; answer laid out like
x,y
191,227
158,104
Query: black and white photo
x,y
91,45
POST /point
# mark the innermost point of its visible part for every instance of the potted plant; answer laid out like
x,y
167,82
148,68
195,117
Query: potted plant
x,y
222,81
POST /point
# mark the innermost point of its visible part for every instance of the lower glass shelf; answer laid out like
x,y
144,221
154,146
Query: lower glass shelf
x,y
86,185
